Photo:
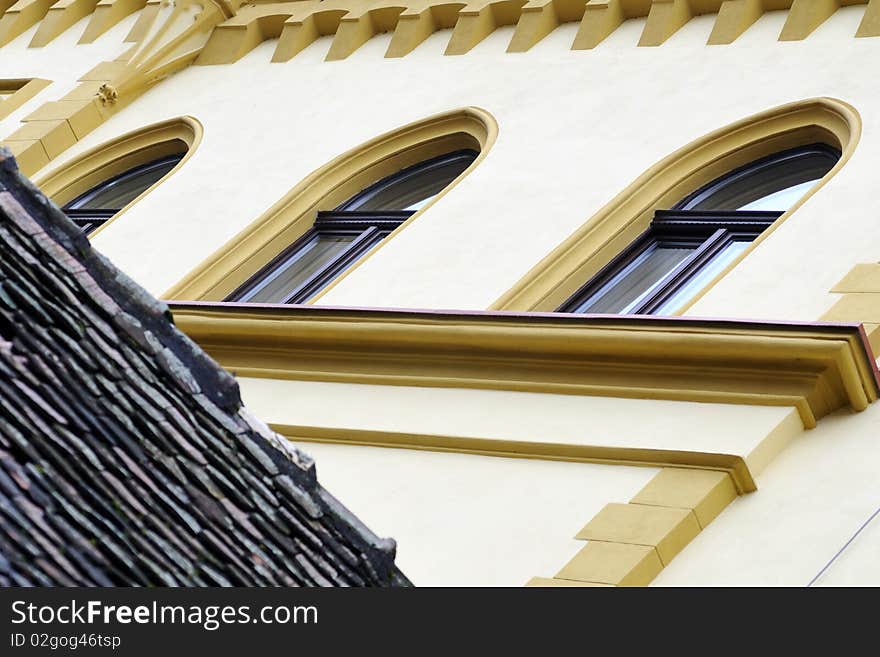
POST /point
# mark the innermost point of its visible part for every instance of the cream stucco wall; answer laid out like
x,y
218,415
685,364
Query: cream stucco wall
x,y
463,520
749,432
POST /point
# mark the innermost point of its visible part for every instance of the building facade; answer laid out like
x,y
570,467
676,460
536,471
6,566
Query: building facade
x,y
592,287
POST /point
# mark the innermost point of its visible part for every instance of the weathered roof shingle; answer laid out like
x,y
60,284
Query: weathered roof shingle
x,y
126,457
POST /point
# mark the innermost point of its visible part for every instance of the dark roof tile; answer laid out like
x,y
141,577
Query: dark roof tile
x,y
125,454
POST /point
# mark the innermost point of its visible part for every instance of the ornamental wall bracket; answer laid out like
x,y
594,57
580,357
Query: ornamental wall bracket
x,y
107,94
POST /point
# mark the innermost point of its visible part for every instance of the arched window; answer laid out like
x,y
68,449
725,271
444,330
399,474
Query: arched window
x,y
95,206
341,236
685,247
100,183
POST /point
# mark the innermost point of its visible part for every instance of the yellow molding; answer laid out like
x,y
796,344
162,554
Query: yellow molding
x,y
629,544
294,214
22,90
815,368
559,274
734,18
805,16
732,467
106,160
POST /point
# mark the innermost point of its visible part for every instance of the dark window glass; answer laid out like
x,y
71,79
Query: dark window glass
x,y
686,247
340,237
101,202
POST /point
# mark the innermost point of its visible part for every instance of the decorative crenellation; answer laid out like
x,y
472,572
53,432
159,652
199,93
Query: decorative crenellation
x,y
351,23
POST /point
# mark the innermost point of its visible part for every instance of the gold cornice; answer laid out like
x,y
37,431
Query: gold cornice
x,y
816,368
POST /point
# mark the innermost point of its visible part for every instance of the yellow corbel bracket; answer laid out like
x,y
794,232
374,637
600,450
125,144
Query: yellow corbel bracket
x,y
107,14
475,24
61,16
601,18
870,25
665,19
144,22
355,31
417,24
412,29
540,17
300,32
20,17
734,18
805,16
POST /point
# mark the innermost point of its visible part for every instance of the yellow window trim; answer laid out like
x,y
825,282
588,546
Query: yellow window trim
x,y
555,278
287,220
121,154
19,92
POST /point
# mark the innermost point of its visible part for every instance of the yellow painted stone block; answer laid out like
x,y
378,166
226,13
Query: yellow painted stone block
x,y
83,115
705,492
84,91
668,530
552,583
855,307
105,71
861,278
30,155
618,564
56,136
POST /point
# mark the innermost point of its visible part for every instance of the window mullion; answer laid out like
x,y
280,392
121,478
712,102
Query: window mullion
x,y
671,283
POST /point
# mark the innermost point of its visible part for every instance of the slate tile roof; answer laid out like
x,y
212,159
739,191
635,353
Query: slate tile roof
x,y
126,457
